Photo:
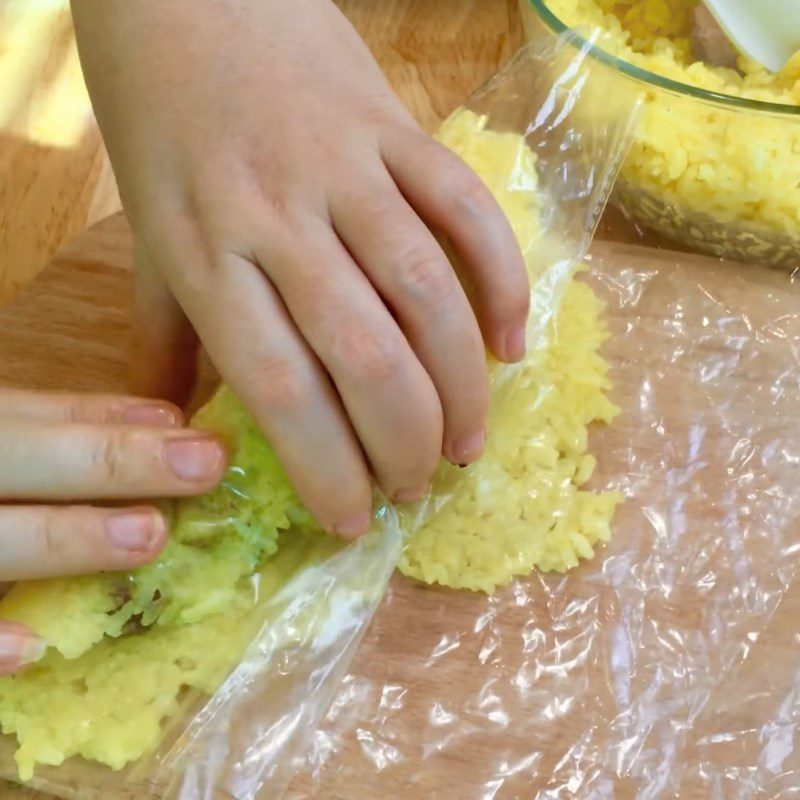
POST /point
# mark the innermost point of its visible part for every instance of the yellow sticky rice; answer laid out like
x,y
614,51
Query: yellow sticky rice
x,y
696,171
123,648
521,507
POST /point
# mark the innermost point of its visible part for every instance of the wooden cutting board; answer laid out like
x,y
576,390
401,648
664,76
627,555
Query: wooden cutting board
x,y
70,330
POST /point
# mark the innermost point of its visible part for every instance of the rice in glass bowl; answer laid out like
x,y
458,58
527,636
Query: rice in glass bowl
x,y
715,158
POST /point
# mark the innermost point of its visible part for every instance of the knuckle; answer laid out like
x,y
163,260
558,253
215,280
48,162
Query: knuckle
x,y
81,410
220,261
469,194
270,200
51,544
427,278
89,410
276,211
110,454
366,355
279,384
380,108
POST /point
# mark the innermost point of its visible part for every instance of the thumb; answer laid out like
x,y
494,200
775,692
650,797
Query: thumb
x,y
165,346
19,647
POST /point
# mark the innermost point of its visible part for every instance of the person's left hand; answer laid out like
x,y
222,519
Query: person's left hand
x,y
60,451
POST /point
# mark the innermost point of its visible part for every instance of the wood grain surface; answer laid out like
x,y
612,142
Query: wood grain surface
x,y
425,654
55,178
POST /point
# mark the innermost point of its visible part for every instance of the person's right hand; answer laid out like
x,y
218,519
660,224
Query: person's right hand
x,y
286,204
59,452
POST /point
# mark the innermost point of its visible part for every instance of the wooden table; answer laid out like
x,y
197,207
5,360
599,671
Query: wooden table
x,y
55,179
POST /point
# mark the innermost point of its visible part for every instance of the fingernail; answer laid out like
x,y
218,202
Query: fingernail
x,y
354,527
156,416
515,343
469,449
411,495
193,460
131,530
21,648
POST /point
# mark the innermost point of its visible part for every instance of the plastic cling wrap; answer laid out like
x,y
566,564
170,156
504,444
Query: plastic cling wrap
x,y
668,665
212,669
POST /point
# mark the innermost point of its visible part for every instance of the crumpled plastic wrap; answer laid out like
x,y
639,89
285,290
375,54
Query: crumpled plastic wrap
x,y
665,667
254,735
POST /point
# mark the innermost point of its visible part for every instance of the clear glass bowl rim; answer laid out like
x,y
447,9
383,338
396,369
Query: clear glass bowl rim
x,y
552,22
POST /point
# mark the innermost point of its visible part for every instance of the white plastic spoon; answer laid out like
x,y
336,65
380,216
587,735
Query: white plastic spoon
x,y
765,30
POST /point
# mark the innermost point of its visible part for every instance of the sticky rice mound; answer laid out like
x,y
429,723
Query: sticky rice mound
x,y
720,179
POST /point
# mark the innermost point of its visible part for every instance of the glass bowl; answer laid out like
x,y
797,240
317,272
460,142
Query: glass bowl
x,y
715,172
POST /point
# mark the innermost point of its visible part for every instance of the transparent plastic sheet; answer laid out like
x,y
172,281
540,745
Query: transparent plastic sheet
x,y
284,686
244,739
252,735
668,665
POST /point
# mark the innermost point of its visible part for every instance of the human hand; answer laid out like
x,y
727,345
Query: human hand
x,y
284,197
58,450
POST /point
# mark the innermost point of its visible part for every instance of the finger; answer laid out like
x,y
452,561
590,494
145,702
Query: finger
x,y
260,354
87,408
43,461
452,199
19,647
412,274
165,346
48,541
389,397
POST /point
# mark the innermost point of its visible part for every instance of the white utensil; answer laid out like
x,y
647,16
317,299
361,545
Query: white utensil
x,y
766,30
